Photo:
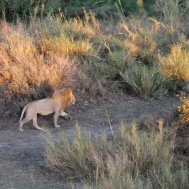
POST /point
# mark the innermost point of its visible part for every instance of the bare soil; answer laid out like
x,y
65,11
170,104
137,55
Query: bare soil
x,y
22,157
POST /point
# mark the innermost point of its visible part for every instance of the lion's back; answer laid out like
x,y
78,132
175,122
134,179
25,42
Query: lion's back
x,y
43,106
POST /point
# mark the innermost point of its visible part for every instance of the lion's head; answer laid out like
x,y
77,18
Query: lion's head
x,y
67,97
70,98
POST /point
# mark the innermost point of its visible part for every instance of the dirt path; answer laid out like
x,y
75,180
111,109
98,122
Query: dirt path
x,y
22,161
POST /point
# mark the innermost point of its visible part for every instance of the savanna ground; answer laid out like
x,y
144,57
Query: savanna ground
x,y
127,63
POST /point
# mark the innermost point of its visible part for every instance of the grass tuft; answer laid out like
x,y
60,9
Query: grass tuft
x,y
176,63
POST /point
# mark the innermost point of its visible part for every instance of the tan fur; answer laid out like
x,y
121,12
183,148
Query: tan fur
x,y
56,104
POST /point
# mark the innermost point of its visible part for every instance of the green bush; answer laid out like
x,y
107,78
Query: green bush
x,y
145,80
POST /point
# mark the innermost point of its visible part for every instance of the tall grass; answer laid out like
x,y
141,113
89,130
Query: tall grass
x,y
23,66
134,159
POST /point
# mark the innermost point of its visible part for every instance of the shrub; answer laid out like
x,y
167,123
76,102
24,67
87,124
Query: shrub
x,y
169,38
102,50
145,80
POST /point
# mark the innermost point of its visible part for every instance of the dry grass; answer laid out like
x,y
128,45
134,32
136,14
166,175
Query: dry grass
x,y
65,45
176,63
141,40
23,66
131,158
88,27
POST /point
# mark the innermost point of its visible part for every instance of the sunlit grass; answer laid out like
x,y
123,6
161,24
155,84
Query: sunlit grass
x,y
65,45
89,26
24,67
176,63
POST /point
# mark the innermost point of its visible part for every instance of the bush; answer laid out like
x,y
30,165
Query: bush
x,y
145,80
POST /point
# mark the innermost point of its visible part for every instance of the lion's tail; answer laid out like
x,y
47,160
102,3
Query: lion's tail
x,y
22,114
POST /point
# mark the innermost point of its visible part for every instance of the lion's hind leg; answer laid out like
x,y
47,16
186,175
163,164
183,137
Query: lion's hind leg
x,y
35,123
20,126
22,122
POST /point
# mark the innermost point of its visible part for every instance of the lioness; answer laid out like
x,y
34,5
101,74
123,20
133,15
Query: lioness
x,y
57,103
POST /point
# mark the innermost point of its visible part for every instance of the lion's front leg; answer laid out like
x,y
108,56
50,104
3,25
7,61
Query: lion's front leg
x,y
56,115
65,115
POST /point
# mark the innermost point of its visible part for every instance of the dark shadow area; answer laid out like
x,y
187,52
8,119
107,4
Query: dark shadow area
x,y
12,104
